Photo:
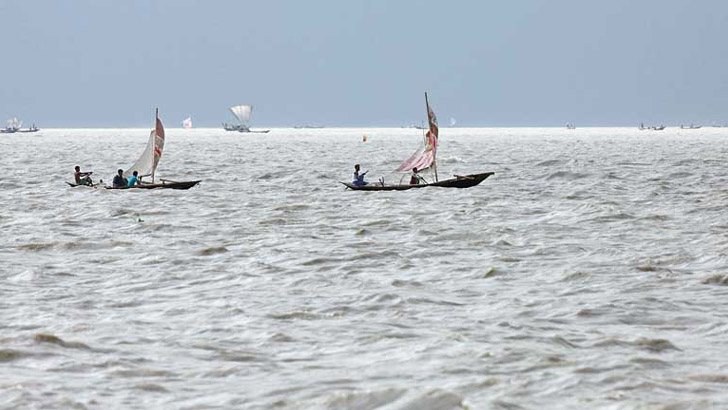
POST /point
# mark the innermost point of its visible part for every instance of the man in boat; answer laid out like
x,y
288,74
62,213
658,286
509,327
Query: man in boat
x,y
119,180
416,178
134,180
82,178
359,177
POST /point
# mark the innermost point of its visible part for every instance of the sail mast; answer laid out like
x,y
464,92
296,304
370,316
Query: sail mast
x,y
154,149
429,126
424,157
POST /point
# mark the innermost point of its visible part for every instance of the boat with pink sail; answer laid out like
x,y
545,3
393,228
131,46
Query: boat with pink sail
x,y
146,165
424,159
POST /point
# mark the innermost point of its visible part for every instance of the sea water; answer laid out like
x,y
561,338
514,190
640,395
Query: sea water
x,y
591,271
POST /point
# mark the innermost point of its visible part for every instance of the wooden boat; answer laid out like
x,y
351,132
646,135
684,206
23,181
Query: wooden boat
x,y
12,125
243,113
147,163
163,184
75,185
460,181
242,128
424,158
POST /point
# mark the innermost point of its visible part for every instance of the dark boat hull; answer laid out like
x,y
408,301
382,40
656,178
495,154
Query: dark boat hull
x,y
465,181
75,185
163,185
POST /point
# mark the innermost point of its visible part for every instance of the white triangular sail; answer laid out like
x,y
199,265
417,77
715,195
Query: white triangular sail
x,y
242,112
148,161
187,123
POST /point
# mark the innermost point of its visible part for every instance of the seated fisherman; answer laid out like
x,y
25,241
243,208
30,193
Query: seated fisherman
x,y
119,180
359,177
82,178
416,178
134,180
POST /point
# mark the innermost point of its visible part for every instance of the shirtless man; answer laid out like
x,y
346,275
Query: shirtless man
x,y
82,178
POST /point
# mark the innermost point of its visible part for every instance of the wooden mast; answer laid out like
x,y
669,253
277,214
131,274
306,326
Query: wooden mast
x,y
429,129
154,147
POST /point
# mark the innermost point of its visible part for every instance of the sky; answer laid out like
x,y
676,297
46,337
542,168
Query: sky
x,y
108,63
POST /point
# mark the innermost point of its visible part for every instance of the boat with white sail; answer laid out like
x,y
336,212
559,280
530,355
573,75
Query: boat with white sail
x,y
424,160
12,125
147,163
243,113
187,123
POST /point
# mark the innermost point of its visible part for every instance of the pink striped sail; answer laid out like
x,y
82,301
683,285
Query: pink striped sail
x,y
424,157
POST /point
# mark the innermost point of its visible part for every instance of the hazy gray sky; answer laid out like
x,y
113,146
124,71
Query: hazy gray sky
x,y
486,63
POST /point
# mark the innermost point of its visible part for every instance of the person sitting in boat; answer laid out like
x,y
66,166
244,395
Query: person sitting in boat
x,y
359,177
416,178
134,180
82,178
119,180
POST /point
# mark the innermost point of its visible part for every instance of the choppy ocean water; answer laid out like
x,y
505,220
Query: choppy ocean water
x,y
589,272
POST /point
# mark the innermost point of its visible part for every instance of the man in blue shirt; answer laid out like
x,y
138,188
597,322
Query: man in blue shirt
x,y
134,180
359,178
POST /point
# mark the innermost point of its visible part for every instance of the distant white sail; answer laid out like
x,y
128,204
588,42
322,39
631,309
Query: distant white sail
x,y
242,112
187,123
452,122
14,123
148,161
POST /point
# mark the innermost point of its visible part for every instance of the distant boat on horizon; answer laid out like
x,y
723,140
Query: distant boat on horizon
x,y
570,126
308,126
243,113
187,123
690,127
417,127
14,125
653,127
